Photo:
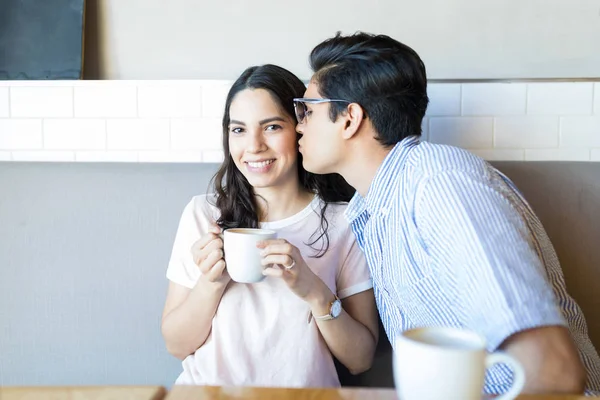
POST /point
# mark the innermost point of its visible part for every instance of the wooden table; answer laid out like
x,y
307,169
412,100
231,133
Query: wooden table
x,y
239,393
208,393
83,393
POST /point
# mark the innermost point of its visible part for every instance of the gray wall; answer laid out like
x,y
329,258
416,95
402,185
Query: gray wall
x,y
83,254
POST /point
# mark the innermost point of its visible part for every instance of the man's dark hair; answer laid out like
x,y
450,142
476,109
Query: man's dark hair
x,y
385,77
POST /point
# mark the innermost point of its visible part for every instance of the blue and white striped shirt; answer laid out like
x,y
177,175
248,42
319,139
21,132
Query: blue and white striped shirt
x,y
450,241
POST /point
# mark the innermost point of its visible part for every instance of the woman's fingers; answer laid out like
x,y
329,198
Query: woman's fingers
x,y
276,247
216,272
281,253
205,246
211,259
205,240
273,270
214,228
284,260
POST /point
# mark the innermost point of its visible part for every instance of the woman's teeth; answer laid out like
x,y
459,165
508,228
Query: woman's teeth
x,y
260,164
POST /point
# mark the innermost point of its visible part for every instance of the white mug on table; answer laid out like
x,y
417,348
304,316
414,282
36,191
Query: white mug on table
x,y
437,363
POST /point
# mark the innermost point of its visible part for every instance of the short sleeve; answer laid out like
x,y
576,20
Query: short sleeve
x,y
353,276
194,223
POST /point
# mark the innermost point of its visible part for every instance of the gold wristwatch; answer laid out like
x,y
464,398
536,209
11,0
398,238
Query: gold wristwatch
x,y
335,309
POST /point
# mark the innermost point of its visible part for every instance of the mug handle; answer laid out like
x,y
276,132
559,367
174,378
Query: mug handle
x,y
518,373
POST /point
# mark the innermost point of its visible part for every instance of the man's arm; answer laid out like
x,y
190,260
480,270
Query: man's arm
x,y
550,360
484,246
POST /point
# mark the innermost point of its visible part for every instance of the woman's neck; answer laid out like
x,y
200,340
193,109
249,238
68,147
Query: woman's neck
x,y
277,203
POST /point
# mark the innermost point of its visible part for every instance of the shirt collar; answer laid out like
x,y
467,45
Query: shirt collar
x,y
377,197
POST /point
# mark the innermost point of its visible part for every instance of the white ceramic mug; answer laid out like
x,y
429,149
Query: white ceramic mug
x,y
241,254
447,363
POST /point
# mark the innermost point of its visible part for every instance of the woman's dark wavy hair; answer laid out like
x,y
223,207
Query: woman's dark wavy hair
x,y
235,197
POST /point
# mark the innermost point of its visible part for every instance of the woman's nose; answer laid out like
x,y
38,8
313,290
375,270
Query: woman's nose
x,y
256,143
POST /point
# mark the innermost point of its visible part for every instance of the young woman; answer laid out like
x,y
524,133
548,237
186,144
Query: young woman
x,y
286,329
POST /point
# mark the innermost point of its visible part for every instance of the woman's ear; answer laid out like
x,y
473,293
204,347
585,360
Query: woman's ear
x,y
353,118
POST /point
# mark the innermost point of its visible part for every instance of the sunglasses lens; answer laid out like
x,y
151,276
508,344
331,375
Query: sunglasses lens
x,y
300,109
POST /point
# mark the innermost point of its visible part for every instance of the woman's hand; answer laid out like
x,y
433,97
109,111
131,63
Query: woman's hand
x,y
282,259
208,255
357,322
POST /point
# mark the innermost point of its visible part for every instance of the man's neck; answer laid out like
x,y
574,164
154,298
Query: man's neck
x,y
362,164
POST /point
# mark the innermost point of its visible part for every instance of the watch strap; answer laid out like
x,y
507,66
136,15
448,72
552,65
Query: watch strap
x,y
328,316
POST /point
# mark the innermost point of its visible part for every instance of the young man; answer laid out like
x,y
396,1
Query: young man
x,y
449,240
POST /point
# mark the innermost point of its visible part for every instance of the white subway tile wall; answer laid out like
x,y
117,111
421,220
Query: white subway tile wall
x,y
425,128
74,134
41,102
466,132
196,134
580,132
138,134
597,98
500,154
214,94
18,134
180,121
106,156
109,101
444,100
492,99
213,156
4,104
526,132
169,100
170,156
561,98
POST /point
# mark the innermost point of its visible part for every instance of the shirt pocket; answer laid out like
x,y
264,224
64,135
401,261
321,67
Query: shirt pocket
x,y
408,304
420,302
404,266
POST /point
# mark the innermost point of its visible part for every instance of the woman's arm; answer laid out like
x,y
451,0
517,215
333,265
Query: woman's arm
x,y
187,316
351,337
188,313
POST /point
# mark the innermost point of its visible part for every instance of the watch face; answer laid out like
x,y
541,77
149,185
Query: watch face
x,y
336,308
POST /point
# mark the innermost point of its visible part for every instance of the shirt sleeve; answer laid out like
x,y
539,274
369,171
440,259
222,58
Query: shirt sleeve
x,y
193,224
353,276
485,249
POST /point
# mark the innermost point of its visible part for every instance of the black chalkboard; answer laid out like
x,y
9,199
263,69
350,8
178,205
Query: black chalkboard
x,y
41,39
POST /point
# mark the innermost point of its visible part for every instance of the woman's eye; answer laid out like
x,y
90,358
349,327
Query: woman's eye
x,y
308,113
273,127
236,130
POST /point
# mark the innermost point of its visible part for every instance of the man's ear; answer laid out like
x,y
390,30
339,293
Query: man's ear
x,y
353,119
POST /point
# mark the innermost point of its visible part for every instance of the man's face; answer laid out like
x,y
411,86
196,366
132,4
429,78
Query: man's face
x,y
321,143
